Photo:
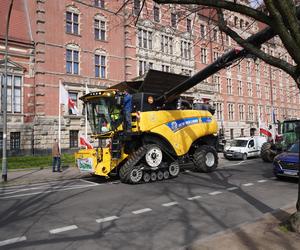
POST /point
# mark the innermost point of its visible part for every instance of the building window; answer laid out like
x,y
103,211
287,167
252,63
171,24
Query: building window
x,y
231,133
188,25
241,112
216,82
165,68
185,50
258,90
219,110
100,66
267,92
203,55
186,72
239,68
250,113
166,44
242,132
14,87
72,23
230,112
15,140
257,69
229,86
235,21
73,96
215,35
72,61
260,112
249,89
100,29
73,138
248,68
144,67
156,13
202,31
99,3
144,39
240,88
136,7
173,20
216,55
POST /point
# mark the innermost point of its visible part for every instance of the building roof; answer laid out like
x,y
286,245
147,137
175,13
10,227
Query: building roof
x,y
19,30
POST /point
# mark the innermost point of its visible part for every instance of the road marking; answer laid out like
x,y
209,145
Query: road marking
x,y
248,184
63,229
194,198
12,241
44,192
232,188
144,210
170,204
110,218
261,181
215,193
91,183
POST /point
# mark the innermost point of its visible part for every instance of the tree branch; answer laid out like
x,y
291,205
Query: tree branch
x,y
290,69
235,7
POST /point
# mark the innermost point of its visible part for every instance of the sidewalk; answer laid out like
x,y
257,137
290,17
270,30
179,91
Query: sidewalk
x,y
263,234
22,177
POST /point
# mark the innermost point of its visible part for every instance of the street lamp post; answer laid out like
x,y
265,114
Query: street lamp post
x,y
4,98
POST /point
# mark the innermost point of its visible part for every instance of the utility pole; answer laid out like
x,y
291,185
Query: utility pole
x,y
4,98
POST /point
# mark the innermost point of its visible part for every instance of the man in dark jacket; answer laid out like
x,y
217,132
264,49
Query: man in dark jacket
x,y
127,110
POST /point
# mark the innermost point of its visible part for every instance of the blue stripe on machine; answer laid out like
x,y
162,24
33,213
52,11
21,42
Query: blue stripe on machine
x,y
206,119
179,124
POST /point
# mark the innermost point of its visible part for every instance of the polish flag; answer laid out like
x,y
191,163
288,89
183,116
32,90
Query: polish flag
x,y
263,130
84,142
72,106
67,101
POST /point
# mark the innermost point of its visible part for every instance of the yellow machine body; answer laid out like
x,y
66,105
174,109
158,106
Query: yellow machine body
x,y
178,127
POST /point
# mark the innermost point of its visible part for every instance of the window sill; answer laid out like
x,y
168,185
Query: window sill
x,y
99,40
72,74
73,34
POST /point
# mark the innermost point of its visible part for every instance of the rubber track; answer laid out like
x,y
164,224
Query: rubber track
x,y
134,158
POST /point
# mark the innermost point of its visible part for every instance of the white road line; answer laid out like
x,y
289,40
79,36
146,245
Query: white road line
x,y
215,193
194,197
144,210
170,204
248,184
261,181
91,182
12,241
63,229
110,218
43,192
232,188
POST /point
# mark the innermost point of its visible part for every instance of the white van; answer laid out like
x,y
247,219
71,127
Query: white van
x,y
244,147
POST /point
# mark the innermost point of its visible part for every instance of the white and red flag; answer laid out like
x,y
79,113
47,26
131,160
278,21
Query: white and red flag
x,y
67,101
263,130
84,142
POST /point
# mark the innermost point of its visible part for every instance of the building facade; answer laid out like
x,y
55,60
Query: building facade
x,y
98,43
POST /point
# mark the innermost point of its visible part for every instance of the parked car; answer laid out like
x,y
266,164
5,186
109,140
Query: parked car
x,y
244,147
287,163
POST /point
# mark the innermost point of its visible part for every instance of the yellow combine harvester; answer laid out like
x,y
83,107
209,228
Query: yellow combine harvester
x,y
167,132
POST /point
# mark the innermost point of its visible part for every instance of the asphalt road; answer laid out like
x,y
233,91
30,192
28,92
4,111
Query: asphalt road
x,y
92,214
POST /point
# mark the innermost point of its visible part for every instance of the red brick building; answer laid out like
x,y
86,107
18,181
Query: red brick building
x,y
101,43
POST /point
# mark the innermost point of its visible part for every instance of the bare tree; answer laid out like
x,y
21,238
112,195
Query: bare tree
x,y
284,19
281,16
